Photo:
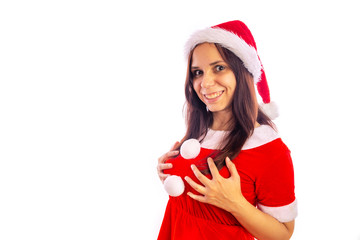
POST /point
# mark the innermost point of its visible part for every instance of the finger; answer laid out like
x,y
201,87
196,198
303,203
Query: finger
x,y
167,156
174,146
163,176
213,169
163,166
197,197
204,180
160,168
197,187
232,168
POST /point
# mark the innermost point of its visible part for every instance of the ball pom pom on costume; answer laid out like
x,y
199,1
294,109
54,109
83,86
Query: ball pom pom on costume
x,y
190,149
174,185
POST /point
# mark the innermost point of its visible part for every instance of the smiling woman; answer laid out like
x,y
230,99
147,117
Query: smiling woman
x,y
242,186
239,103
214,82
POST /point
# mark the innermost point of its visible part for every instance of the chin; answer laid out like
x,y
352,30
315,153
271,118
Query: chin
x,y
215,109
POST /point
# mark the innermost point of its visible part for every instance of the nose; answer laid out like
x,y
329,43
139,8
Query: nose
x,y
208,80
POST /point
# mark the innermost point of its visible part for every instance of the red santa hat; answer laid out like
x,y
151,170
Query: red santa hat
x,y
236,37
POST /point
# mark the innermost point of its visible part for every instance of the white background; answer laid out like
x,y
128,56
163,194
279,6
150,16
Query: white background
x,y
91,94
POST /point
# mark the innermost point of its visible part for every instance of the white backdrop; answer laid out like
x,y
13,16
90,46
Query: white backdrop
x,y
91,94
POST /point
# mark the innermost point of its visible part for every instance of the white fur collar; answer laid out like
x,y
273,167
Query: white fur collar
x,y
262,135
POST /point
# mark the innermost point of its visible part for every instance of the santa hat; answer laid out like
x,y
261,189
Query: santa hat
x,y
236,37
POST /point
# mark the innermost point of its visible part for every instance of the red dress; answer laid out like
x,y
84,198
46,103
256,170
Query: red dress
x,y
267,182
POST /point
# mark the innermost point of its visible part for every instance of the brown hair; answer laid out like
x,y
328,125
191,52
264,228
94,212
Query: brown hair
x,y
244,109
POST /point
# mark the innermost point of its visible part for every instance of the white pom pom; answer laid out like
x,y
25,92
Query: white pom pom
x,y
271,110
190,148
174,185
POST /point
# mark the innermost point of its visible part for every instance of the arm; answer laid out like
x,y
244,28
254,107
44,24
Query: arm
x,y
226,194
259,224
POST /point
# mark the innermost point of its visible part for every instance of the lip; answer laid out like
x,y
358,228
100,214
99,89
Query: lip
x,y
213,97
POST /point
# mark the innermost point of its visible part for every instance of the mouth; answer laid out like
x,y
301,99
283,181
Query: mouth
x,y
213,95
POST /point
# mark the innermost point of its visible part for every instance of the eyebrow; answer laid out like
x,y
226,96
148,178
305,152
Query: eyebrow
x,y
211,64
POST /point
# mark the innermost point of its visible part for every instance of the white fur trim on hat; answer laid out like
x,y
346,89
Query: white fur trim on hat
x,y
231,41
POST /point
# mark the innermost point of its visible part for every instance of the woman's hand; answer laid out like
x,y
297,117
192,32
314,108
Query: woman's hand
x,y
226,193
222,192
161,162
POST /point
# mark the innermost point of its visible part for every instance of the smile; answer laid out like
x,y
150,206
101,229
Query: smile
x,y
213,95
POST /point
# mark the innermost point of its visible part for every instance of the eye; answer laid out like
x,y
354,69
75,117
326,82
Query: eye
x,y
219,68
197,73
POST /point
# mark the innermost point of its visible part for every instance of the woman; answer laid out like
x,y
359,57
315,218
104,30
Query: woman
x,y
247,190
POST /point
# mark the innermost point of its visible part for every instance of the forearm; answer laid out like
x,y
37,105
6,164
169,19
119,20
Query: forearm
x,y
259,224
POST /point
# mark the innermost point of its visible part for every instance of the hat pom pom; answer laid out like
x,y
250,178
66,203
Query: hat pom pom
x,y
271,110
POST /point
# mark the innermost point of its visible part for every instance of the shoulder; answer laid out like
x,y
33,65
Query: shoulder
x,y
262,135
266,146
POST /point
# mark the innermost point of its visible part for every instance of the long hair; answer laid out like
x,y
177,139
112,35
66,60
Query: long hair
x,y
245,110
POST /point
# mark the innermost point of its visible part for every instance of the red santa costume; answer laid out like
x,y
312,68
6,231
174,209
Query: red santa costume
x,y
267,181
264,162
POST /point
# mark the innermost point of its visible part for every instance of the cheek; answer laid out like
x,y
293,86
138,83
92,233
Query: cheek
x,y
232,85
229,83
197,87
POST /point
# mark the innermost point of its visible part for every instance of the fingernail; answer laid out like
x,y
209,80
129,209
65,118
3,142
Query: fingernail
x,y
170,165
192,166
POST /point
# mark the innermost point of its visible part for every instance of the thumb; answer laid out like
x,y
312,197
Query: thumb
x,y
174,146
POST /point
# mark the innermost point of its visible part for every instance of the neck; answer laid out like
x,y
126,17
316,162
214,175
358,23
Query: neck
x,y
222,121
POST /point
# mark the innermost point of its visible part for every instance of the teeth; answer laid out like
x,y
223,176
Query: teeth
x,y
213,95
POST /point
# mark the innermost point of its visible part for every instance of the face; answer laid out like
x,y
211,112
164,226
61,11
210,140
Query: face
x,y
213,80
